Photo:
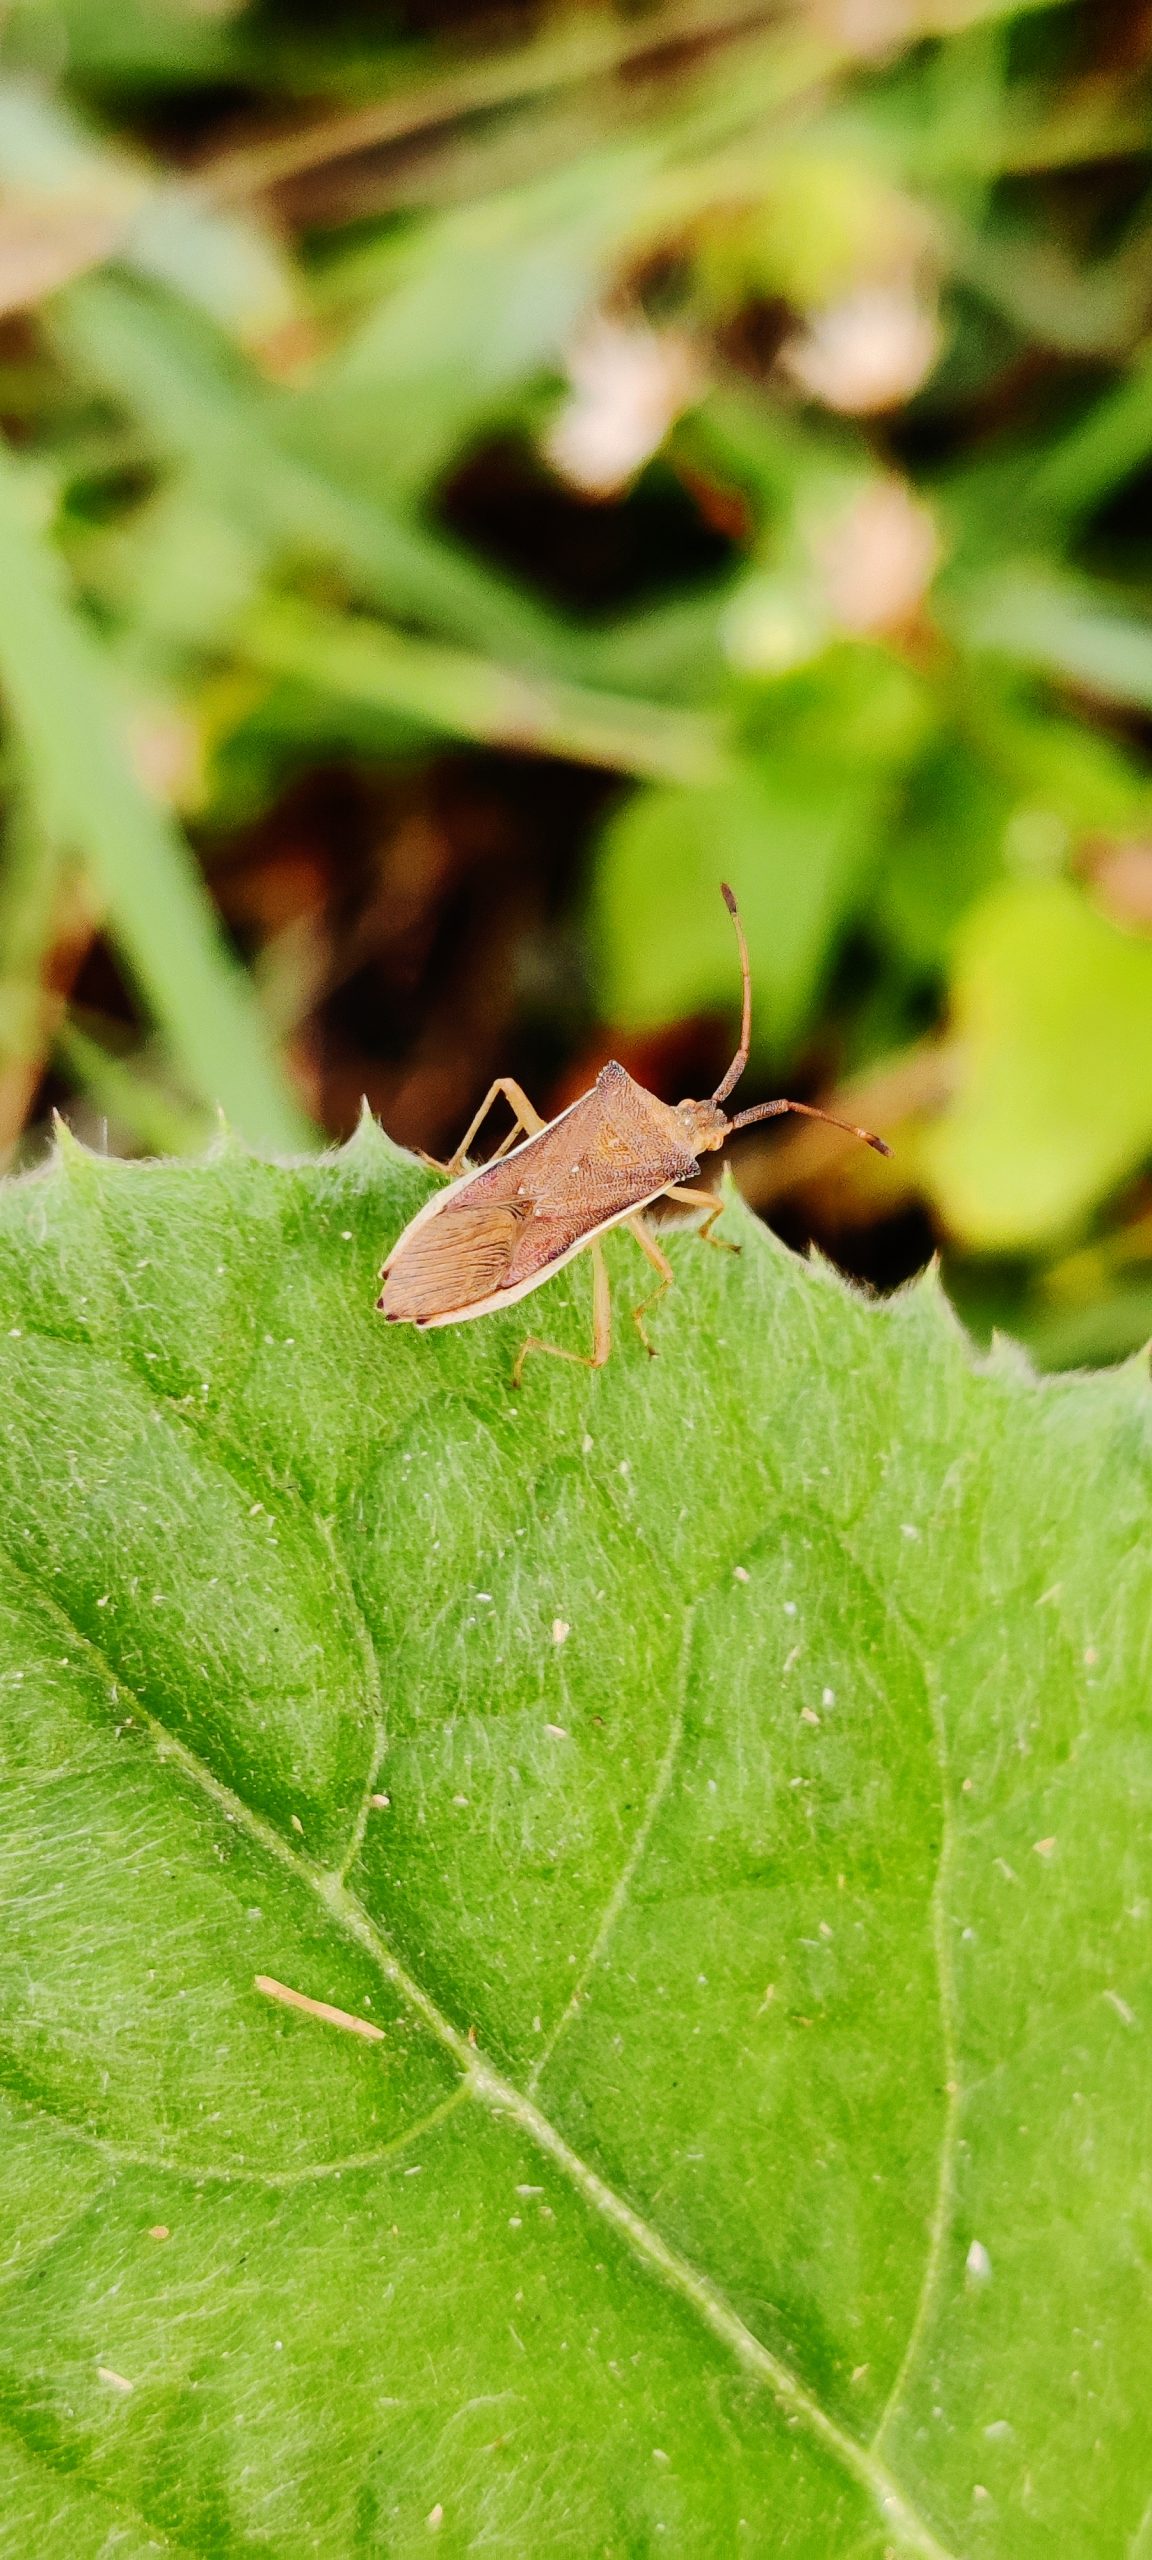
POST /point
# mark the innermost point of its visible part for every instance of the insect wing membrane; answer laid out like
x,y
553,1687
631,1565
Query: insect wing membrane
x,y
460,1255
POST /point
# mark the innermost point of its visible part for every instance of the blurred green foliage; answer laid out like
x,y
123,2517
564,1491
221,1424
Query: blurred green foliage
x,y
861,293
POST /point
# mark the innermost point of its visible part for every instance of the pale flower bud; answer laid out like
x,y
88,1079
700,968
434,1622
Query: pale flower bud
x,y
868,352
629,385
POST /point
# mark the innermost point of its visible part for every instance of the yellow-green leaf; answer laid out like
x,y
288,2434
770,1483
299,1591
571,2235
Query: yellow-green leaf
x,y
1053,1014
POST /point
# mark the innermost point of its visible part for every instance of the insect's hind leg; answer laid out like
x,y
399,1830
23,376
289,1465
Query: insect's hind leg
x,y
659,1261
601,1326
527,1119
715,1208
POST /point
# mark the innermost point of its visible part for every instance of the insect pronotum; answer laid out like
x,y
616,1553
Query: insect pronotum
x,y
499,1230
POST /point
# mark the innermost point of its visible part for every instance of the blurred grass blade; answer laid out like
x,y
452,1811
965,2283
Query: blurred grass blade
x,y
572,49
71,200
31,882
1065,626
471,308
45,925
134,1102
205,407
470,697
1111,443
65,711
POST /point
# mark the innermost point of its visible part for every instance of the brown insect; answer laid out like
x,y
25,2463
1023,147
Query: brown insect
x,y
501,1229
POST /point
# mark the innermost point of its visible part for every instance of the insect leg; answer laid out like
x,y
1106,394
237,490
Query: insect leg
x,y
703,1200
601,1326
660,1263
527,1119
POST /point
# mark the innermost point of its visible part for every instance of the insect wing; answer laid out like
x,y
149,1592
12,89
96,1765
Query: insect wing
x,y
462,1254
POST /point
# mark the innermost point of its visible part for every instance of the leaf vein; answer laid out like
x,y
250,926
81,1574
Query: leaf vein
x,y
633,1860
121,2155
504,2099
941,2222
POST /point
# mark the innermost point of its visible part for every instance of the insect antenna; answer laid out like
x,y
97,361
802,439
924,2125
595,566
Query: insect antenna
x,y
772,1110
740,1060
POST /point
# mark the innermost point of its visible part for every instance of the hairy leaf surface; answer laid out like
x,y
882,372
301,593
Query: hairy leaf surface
x,y
725,1781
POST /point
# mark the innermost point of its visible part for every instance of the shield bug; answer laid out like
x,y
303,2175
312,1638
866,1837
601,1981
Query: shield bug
x,y
499,1230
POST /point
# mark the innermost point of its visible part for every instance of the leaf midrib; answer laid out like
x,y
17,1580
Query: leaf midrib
x,y
489,2087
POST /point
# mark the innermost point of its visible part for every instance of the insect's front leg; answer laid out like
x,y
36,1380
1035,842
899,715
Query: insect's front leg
x,y
527,1119
659,1261
601,1326
715,1208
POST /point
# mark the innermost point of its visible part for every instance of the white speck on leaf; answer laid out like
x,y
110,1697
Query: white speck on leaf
x,y
978,2264
560,1630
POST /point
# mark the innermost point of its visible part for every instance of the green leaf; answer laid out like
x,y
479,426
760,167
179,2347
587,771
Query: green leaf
x,y
1069,628
945,852
725,1781
1051,1007
58,691
794,825
792,851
